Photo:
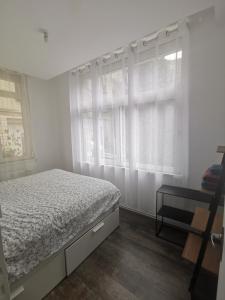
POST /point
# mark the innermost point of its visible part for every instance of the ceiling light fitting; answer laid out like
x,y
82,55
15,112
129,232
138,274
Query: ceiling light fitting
x,y
45,34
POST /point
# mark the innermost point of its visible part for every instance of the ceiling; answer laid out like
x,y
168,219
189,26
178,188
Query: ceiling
x,y
79,30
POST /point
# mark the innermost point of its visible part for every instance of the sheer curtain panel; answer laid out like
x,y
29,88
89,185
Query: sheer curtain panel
x,y
129,117
16,156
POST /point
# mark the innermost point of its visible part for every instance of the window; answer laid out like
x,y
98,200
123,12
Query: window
x,y
129,116
157,81
131,107
104,119
14,129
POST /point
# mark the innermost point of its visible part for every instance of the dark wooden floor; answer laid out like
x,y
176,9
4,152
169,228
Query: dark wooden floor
x,y
130,264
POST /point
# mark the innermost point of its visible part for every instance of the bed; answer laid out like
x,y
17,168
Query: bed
x,y
51,222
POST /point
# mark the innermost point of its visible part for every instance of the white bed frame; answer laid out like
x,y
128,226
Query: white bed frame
x,y
48,274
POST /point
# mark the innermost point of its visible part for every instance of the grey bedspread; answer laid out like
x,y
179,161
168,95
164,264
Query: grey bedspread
x,y
42,212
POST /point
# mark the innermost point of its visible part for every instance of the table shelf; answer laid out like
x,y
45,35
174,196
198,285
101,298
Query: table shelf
x,y
181,217
196,195
176,214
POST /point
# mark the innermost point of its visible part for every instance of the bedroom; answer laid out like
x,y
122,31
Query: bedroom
x,y
131,92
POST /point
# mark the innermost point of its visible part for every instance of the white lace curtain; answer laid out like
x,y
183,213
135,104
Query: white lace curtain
x,y
129,117
16,156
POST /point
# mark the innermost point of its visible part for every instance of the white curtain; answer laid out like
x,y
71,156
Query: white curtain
x,y
16,155
129,117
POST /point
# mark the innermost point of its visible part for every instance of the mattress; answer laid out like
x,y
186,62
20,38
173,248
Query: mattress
x,y
41,213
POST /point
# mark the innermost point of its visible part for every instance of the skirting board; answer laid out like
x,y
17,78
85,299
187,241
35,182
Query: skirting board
x,y
56,268
136,211
167,222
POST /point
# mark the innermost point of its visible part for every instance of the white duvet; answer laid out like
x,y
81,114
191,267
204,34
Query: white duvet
x,y
42,212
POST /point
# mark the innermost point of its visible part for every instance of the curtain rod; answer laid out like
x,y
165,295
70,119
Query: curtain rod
x,y
148,38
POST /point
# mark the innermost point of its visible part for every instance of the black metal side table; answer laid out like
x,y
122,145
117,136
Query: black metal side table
x,y
182,217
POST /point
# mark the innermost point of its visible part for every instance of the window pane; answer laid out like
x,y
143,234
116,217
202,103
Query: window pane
x,y
113,136
9,104
169,66
124,131
11,137
114,87
156,122
86,94
11,129
146,121
87,137
156,78
144,80
7,86
107,137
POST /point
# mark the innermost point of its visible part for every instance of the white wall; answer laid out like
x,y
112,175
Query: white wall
x,y
207,93
44,124
207,97
60,89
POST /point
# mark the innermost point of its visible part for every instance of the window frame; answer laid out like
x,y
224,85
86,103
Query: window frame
x,y
140,101
21,95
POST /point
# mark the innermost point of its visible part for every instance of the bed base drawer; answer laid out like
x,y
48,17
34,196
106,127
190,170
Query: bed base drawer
x,y
81,248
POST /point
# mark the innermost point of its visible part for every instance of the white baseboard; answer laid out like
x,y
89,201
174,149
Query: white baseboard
x,y
138,212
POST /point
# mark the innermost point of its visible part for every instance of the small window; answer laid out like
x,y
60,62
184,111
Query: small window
x,y
14,125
